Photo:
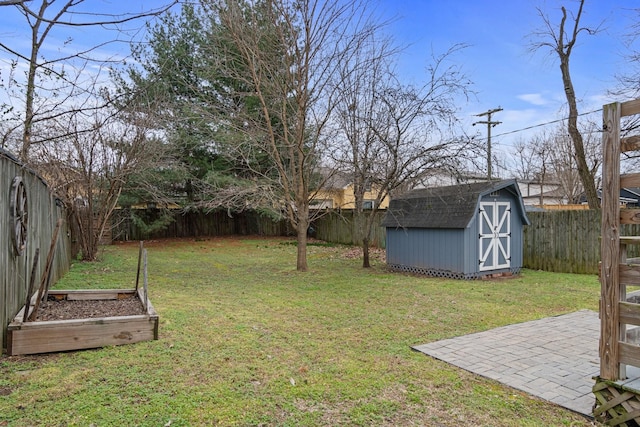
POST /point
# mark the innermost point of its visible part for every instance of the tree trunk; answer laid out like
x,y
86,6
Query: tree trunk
x,y
301,264
586,177
29,99
302,227
365,253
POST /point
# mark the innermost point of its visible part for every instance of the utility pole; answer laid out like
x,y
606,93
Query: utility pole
x,y
489,124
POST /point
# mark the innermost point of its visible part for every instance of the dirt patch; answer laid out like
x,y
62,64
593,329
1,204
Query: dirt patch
x,y
354,252
88,309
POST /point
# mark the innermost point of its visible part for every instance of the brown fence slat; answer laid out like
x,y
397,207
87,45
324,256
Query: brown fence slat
x,y
43,213
630,180
628,354
630,107
631,143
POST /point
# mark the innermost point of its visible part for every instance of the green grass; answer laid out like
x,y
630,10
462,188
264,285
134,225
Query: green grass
x,y
245,340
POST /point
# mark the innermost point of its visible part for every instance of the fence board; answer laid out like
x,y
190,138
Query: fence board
x,y
195,224
340,227
43,213
629,313
563,241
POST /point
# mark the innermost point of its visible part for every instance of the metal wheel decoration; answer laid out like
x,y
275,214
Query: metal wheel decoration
x,y
19,215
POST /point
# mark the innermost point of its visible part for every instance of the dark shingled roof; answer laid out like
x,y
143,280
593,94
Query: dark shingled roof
x,y
441,207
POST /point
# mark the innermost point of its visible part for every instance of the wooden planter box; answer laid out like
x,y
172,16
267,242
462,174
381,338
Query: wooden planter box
x,y
76,334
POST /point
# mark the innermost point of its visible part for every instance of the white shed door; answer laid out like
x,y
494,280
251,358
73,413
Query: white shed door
x,y
495,235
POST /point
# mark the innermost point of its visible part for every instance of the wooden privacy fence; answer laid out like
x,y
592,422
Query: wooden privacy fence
x,y
126,224
333,227
29,215
342,228
564,241
568,241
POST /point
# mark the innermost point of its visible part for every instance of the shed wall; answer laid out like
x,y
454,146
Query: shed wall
x,y
453,252
517,244
422,248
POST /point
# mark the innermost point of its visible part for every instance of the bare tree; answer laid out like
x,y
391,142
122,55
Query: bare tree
x,y
284,55
88,170
563,166
53,87
629,88
57,120
629,81
393,132
561,40
564,160
549,157
527,158
532,160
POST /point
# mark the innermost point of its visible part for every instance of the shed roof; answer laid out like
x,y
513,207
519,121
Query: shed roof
x,y
445,207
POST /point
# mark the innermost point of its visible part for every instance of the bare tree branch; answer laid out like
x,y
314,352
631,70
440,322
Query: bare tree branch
x,y
562,43
59,71
289,53
392,132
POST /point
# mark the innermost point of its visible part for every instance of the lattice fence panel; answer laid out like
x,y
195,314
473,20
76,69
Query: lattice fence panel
x,y
615,405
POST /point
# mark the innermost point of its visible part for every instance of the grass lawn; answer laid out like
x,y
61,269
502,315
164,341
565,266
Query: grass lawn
x,y
245,340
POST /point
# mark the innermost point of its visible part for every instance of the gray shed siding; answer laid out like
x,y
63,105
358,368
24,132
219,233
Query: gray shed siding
x,y
455,252
425,248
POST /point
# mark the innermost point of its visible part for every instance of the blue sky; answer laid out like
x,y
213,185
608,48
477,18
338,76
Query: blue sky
x,y
498,60
527,85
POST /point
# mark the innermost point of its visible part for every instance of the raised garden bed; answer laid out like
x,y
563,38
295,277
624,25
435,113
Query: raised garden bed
x,y
81,319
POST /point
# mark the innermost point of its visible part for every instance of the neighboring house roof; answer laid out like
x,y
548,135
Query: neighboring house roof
x,y
440,177
445,207
630,195
334,179
531,208
338,180
555,196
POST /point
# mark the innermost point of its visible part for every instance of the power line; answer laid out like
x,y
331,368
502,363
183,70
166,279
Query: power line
x,y
544,124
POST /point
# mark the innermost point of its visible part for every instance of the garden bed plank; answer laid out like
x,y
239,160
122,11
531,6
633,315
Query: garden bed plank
x,y
93,294
69,335
77,334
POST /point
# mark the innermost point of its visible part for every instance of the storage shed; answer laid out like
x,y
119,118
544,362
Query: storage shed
x,y
464,231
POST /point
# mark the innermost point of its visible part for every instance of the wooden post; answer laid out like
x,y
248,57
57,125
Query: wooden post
x,y
622,328
139,259
145,281
32,280
47,268
610,245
